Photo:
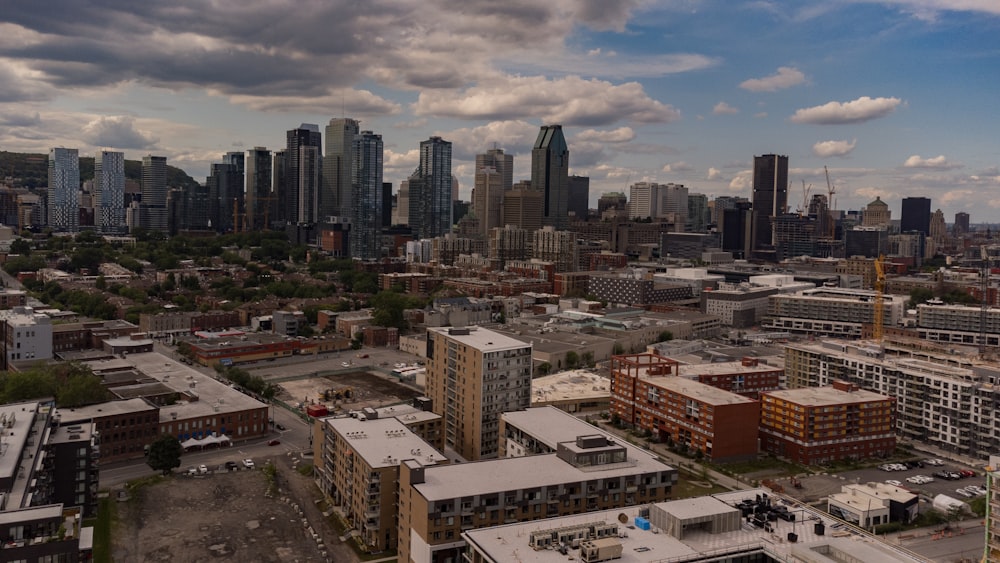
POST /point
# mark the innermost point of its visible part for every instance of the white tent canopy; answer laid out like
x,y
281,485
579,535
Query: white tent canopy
x,y
213,440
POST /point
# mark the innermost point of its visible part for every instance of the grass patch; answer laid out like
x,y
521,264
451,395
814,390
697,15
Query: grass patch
x,y
774,466
107,515
686,488
306,469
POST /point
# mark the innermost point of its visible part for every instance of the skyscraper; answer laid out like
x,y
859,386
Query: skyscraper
x,y
64,190
770,197
154,193
550,175
961,223
697,213
337,162
257,188
916,215
109,192
494,176
300,183
366,196
430,190
579,196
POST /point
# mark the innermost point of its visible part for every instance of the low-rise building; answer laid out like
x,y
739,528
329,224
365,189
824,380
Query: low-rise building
x,y
24,335
573,391
126,427
827,424
831,311
872,504
738,305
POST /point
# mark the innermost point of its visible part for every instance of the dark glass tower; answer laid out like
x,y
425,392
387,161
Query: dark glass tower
x,y
550,175
300,182
916,215
770,197
366,196
430,190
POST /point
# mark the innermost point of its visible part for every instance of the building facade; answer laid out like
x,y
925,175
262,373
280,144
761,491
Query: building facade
x,y
64,190
154,193
550,175
109,192
366,196
770,198
429,192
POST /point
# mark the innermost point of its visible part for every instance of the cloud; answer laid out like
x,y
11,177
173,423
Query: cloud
x,y
415,124
939,162
834,148
620,135
514,136
928,10
19,119
679,166
742,181
951,197
357,103
722,108
714,174
870,193
570,100
856,111
117,132
786,77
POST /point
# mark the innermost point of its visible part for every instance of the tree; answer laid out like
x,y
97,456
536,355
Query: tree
x,y
544,368
619,349
165,453
572,359
665,336
587,359
920,295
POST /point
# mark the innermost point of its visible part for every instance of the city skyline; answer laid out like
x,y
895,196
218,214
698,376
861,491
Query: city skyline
x,y
892,95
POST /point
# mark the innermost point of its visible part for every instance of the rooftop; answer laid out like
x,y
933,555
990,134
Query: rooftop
x,y
825,396
696,390
482,339
575,384
723,368
383,442
111,408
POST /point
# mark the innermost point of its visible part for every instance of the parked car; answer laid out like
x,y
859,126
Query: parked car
x,y
248,463
274,442
192,470
935,462
964,493
967,473
203,469
231,466
894,482
915,480
280,426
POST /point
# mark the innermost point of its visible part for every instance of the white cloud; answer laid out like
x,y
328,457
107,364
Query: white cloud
x,y
939,162
952,197
356,103
620,135
569,100
722,108
928,9
714,174
679,166
786,77
514,136
743,180
856,111
870,193
834,148
116,132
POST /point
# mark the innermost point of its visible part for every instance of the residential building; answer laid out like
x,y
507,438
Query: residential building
x,y
126,427
916,215
473,375
586,473
509,243
64,190
958,324
831,311
494,176
709,528
258,197
634,288
522,207
109,192
550,175
299,192
770,199
358,463
154,193
24,335
821,425
738,305
430,190
748,377
366,196
225,193
558,247
991,551
338,163
579,196
646,393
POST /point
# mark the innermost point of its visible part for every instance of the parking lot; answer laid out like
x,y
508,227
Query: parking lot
x,y
928,490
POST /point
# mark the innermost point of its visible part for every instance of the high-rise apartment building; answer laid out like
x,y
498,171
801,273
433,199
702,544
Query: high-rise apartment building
x,y
337,163
579,196
259,202
558,247
697,213
154,193
770,198
109,192
550,175
430,190
916,215
509,243
299,193
474,375
366,196
64,190
225,193
494,176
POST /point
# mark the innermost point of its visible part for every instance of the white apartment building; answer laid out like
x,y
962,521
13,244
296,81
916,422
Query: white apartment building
x,y
942,399
27,335
958,324
831,311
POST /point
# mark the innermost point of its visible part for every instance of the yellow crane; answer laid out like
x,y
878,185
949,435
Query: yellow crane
x,y
879,316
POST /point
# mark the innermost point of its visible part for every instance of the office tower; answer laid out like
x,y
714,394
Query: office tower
x,y
337,179
64,190
642,200
154,193
558,247
770,197
109,192
673,203
366,196
961,223
223,207
522,207
612,200
937,228
494,175
402,213
474,375
697,213
550,175
386,204
876,214
736,229
916,215
579,196
430,190
866,241
300,184
721,203
257,179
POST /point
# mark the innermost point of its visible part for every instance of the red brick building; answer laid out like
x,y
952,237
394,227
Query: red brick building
x,y
748,377
815,425
647,393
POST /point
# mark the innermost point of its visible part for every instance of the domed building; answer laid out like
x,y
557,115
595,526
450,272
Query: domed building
x,y
876,214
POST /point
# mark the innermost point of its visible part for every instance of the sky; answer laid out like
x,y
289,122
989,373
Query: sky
x,y
896,98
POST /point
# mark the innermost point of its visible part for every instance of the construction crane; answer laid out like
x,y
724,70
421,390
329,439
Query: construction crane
x,y
831,191
805,199
879,316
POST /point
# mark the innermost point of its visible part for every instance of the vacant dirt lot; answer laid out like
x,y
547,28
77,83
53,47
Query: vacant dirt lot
x,y
367,390
218,517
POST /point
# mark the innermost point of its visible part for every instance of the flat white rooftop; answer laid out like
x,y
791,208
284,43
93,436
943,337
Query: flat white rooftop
x,y
510,542
482,339
111,408
566,385
552,426
723,368
826,396
407,414
384,442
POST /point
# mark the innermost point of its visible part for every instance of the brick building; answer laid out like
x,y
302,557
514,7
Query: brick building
x,y
820,425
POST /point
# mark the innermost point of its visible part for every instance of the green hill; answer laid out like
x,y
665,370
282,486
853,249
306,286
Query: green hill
x,y
30,170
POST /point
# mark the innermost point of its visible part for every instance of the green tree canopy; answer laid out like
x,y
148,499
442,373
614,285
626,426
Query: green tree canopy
x,y
165,453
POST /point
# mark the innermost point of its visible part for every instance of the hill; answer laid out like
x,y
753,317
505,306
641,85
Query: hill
x,y
30,170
